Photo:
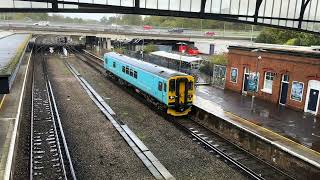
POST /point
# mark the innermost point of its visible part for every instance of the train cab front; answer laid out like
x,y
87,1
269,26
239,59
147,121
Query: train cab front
x,y
180,95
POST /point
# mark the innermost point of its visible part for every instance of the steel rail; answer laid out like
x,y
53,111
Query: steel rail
x,y
54,136
230,159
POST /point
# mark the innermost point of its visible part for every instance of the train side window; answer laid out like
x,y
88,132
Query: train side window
x,y
131,72
172,85
127,69
123,69
165,87
114,64
135,74
160,86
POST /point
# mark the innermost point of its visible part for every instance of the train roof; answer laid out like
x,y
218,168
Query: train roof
x,y
152,68
176,57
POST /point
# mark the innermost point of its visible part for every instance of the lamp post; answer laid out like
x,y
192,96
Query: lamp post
x,y
258,51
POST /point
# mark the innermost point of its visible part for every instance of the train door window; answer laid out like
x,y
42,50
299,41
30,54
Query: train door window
x,y
160,86
114,64
135,74
165,87
172,85
123,69
127,69
131,72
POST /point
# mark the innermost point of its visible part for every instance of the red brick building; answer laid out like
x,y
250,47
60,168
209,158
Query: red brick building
x,y
289,77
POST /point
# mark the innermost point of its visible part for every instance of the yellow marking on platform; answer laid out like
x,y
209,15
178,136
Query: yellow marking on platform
x,y
271,132
1,103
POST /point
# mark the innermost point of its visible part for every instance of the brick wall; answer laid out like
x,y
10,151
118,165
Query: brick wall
x,y
299,68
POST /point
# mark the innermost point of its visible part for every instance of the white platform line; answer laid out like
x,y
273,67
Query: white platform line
x,y
8,168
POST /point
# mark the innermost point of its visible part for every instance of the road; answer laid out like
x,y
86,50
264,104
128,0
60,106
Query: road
x,y
123,30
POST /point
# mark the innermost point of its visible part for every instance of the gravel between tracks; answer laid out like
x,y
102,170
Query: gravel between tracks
x,y
177,152
96,148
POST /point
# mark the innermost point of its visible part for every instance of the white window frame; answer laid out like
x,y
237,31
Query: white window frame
x,y
232,68
269,91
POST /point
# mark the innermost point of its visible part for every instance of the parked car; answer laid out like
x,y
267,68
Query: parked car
x,y
188,49
42,23
176,30
210,33
147,27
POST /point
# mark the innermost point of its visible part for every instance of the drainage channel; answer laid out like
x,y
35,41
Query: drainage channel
x,y
142,151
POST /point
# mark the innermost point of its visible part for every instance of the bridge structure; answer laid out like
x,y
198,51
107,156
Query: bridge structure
x,y
300,15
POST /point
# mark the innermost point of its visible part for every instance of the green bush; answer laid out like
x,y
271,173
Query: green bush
x,y
149,48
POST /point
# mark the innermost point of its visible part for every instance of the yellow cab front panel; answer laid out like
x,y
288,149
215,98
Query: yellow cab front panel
x,y
180,95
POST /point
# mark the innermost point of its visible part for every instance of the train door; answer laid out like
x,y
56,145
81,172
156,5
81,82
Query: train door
x,y
160,90
181,91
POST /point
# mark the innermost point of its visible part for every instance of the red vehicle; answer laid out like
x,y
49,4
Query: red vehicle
x,y
147,27
188,49
209,33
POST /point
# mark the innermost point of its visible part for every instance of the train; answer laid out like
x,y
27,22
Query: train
x,y
169,90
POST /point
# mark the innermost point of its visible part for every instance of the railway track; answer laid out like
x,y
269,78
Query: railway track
x,y
249,164
49,154
236,156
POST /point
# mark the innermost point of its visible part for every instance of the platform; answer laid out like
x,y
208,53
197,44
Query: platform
x,y
9,119
11,48
295,125
289,130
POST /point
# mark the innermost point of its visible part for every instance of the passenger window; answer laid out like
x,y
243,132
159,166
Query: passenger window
x,y
190,85
123,69
114,64
165,87
127,69
131,72
172,85
160,86
135,75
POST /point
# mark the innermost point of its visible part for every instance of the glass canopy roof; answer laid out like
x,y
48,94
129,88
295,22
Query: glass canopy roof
x,y
302,15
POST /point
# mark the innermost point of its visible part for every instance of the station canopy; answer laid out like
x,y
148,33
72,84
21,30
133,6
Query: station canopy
x,y
302,15
177,57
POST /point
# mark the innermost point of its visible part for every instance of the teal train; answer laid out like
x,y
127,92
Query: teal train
x,y
167,89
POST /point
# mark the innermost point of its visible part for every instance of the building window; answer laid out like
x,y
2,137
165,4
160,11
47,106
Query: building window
x,y
234,75
123,69
135,74
268,81
114,64
160,86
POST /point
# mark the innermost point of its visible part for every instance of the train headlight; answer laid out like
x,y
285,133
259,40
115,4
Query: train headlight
x,y
190,96
171,97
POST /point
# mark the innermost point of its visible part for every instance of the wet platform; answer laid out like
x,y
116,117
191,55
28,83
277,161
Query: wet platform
x,y
295,125
292,131
11,47
10,108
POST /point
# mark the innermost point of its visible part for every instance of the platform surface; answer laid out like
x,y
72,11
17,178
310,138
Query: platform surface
x,y
8,114
295,125
291,130
9,46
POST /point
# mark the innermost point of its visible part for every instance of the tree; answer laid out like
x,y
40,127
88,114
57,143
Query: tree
x,y
289,37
